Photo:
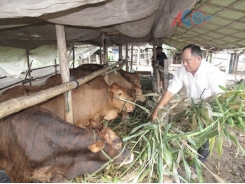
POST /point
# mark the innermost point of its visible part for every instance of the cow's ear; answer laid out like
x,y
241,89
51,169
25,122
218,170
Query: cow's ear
x,y
97,146
111,95
106,78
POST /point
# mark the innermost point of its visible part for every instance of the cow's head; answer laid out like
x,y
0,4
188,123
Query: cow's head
x,y
138,93
109,144
118,95
135,80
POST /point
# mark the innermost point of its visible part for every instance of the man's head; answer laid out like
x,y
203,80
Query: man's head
x,y
191,58
159,49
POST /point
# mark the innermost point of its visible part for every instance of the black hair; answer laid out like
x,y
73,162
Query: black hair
x,y
159,47
195,50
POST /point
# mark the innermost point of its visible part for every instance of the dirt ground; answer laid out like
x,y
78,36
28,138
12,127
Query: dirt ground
x,y
231,166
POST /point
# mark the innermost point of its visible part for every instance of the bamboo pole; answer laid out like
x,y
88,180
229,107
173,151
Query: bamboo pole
x,y
16,104
64,68
132,57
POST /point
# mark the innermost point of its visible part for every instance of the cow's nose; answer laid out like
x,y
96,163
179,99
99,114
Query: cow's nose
x,y
131,159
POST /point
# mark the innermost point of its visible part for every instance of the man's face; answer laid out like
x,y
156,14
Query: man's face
x,y
159,51
191,62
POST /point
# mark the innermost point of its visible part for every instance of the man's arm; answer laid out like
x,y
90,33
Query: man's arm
x,y
164,101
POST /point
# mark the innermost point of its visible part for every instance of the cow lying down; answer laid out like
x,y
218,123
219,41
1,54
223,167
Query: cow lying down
x,y
38,146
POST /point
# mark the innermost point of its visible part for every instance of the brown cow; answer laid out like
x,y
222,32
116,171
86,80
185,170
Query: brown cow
x,y
93,67
38,146
20,90
90,104
131,77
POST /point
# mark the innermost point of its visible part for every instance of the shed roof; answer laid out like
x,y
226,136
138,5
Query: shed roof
x,y
30,23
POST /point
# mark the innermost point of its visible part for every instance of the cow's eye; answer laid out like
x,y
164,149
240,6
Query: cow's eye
x,y
119,145
119,94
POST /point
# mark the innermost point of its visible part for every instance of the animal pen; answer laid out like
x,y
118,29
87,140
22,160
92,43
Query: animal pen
x,y
163,149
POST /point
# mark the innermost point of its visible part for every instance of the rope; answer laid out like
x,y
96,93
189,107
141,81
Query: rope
x,y
73,79
73,90
105,154
111,67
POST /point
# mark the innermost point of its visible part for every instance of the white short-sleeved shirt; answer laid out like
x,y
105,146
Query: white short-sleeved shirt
x,y
203,84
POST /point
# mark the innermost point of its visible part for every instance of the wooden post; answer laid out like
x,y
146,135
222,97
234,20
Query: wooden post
x,y
210,57
227,63
154,51
97,58
230,64
132,57
165,81
206,55
16,104
126,57
28,65
235,63
73,55
165,84
156,83
138,58
89,59
64,68
120,52
101,56
55,67
104,44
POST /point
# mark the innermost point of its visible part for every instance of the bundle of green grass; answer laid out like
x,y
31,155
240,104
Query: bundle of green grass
x,y
162,149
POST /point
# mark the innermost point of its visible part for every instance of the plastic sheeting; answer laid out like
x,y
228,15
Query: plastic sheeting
x,y
14,60
44,54
124,21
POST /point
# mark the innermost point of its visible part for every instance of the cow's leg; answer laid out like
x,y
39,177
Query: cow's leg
x,y
59,178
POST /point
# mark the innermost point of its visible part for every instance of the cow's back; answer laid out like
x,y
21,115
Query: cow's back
x,y
20,90
93,67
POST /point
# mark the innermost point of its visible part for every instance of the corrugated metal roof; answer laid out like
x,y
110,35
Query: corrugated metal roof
x,y
224,29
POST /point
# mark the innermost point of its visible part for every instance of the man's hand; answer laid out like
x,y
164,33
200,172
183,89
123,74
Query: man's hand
x,y
154,115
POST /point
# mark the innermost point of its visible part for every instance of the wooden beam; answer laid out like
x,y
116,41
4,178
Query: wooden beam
x,y
126,57
16,104
64,68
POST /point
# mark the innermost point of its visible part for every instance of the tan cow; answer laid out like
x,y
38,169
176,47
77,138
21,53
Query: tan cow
x,y
133,90
90,104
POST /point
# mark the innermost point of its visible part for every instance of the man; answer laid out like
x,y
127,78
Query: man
x,y
201,80
160,56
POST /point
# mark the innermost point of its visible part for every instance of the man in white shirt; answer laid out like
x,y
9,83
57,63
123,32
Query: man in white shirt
x,y
201,80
